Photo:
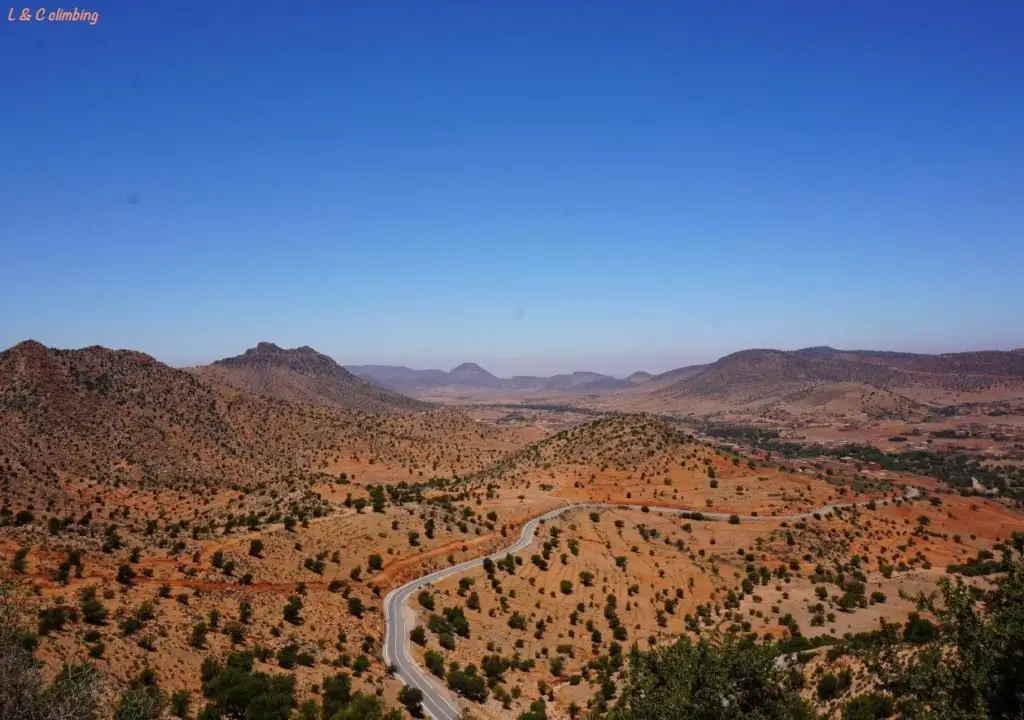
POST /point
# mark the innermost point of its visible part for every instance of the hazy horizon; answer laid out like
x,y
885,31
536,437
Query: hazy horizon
x,y
619,366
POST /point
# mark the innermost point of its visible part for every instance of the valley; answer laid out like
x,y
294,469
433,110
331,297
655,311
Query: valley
x,y
161,524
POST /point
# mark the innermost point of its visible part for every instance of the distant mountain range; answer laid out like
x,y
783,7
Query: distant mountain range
x,y
472,376
881,381
766,382
304,375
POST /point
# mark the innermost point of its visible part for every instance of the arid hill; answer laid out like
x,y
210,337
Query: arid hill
x,y
753,377
656,382
625,442
304,375
120,417
155,522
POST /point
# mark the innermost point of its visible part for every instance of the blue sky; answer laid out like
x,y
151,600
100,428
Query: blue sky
x,y
536,187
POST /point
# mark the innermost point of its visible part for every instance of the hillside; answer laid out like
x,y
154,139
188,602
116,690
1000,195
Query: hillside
x,y
655,382
180,501
624,442
765,376
303,375
183,519
90,418
841,400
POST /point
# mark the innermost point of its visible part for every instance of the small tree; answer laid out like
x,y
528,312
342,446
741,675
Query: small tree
x,y
198,638
292,611
412,698
125,574
337,692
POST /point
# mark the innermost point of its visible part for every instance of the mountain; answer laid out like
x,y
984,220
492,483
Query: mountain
x,y
634,442
761,376
102,414
639,376
656,382
399,377
472,376
580,381
304,375
73,420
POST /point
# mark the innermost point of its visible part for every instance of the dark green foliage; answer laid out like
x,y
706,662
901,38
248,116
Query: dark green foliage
x,y
722,680
235,691
435,663
198,637
337,692
364,707
24,693
832,686
468,684
93,611
412,698
919,630
54,618
967,666
125,574
538,711
868,707
293,610
494,666
457,621
18,561
180,702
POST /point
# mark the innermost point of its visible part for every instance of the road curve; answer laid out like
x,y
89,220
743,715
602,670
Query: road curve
x,y
399,618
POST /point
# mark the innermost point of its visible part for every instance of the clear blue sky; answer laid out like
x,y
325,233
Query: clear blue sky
x,y
535,186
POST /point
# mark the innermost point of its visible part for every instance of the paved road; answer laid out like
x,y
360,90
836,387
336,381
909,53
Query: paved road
x,y
399,618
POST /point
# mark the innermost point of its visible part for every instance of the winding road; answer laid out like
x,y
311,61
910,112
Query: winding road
x,y
400,618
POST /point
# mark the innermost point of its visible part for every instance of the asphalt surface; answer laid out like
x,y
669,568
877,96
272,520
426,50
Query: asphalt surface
x,y
400,618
